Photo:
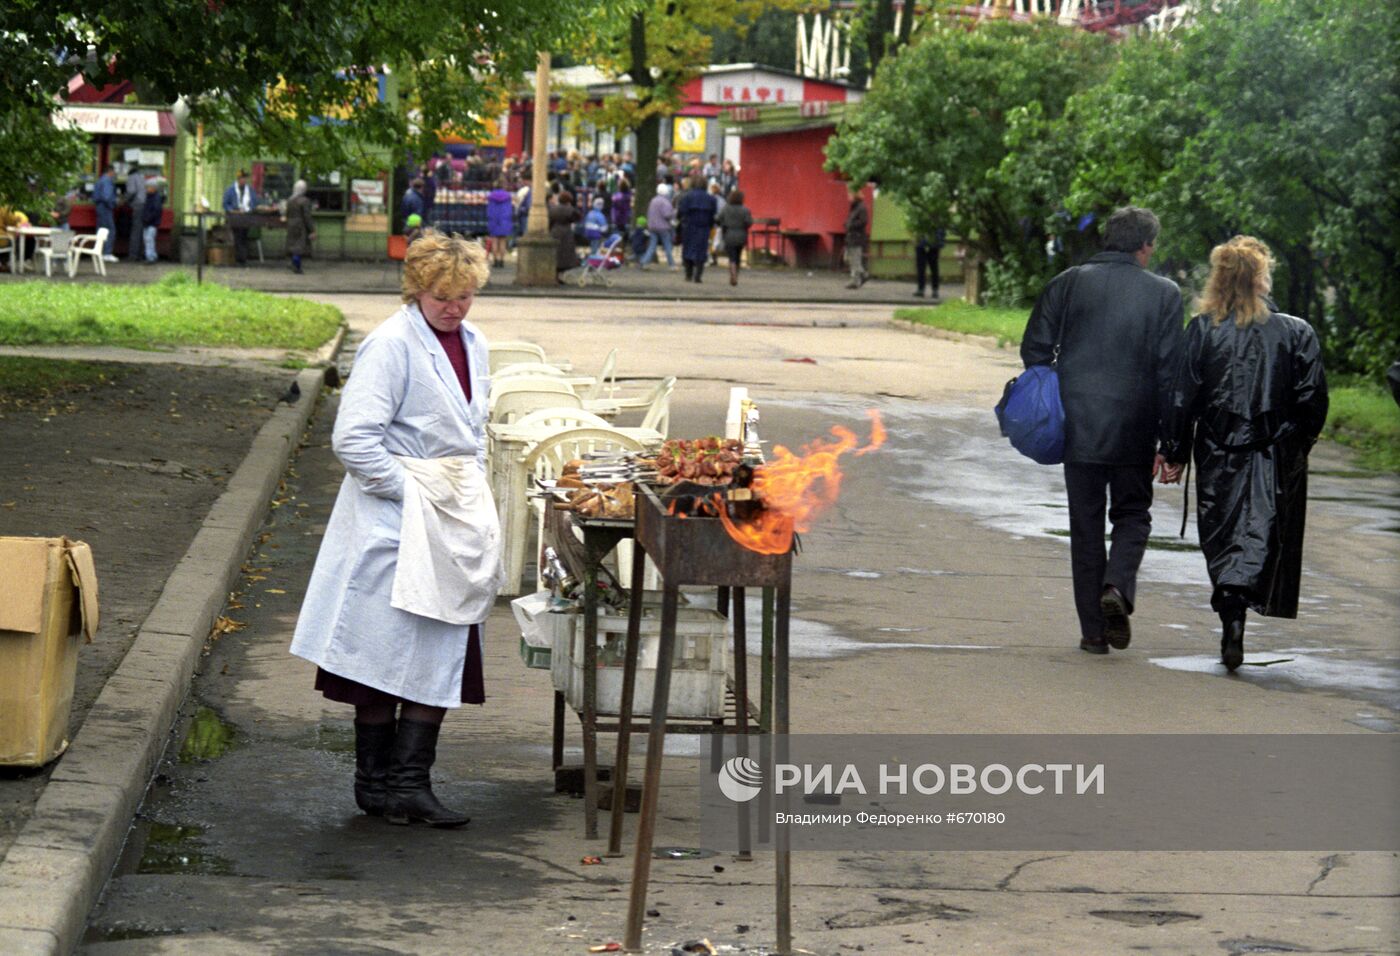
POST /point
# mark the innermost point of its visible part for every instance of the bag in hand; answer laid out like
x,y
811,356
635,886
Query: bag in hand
x,y
1031,415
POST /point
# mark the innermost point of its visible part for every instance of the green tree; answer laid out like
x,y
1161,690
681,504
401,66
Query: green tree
x,y
1277,119
933,129
298,79
661,47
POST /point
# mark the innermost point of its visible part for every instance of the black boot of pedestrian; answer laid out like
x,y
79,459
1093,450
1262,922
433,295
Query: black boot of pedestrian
x,y
410,798
1232,640
699,270
689,271
374,746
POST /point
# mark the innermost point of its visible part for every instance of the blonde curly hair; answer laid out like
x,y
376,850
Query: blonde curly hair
x,y
444,266
1241,275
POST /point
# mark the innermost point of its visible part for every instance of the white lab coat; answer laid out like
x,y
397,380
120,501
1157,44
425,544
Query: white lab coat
x,y
402,399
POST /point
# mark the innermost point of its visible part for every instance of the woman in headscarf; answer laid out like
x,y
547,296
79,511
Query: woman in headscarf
x,y
301,228
562,216
1253,388
696,210
411,559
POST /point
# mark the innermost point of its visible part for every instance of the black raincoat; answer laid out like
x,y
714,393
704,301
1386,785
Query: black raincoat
x,y
1257,398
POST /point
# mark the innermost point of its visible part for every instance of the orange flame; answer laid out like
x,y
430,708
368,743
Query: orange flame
x,y
796,489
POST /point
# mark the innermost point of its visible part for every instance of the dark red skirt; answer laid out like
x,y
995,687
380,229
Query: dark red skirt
x,y
343,690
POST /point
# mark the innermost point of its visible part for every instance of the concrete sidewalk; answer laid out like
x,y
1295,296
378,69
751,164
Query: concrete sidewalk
x,y
764,284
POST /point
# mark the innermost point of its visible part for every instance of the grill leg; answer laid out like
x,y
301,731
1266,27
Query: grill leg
x,y
783,875
590,702
558,753
651,782
629,678
741,692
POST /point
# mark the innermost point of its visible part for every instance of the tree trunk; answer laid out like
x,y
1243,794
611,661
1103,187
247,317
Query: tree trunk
x,y
649,132
648,146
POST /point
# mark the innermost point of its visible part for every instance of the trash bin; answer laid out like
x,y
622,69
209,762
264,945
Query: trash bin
x,y
48,603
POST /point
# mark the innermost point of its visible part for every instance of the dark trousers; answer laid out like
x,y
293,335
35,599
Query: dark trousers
x,y
240,245
926,263
1127,490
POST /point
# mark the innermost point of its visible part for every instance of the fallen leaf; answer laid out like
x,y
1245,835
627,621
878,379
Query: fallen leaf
x,y
275,591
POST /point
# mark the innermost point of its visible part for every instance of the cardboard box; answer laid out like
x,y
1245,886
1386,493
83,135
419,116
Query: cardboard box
x,y
48,600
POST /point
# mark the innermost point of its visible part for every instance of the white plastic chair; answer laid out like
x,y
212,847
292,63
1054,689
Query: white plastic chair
x,y
90,246
605,379
509,353
560,418
546,460
657,403
543,369
509,404
57,246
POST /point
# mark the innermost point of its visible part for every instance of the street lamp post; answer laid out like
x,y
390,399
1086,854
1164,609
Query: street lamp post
x,y
537,249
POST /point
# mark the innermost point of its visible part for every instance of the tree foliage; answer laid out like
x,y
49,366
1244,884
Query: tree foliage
x,y
933,130
295,79
660,48
1276,119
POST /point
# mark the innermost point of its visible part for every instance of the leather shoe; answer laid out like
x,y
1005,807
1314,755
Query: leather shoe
x,y
1232,644
1116,628
1093,646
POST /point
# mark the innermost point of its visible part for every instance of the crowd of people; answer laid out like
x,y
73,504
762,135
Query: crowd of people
x,y
591,202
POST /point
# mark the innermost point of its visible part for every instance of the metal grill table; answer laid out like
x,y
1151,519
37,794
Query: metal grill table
x,y
697,551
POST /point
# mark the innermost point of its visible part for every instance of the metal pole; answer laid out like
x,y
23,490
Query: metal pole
x,y
783,874
741,693
651,781
629,678
199,259
590,700
765,710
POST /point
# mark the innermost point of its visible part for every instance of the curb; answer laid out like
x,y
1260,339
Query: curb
x,y
61,860
933,332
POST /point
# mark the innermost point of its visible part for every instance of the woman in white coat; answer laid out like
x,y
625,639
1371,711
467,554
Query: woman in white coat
x,y
410,563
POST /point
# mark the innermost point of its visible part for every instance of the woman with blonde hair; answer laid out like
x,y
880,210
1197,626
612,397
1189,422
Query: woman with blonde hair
x,y
1252,387
411,560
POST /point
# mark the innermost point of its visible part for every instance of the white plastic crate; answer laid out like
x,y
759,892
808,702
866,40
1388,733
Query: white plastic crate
x,y
538,628
699,667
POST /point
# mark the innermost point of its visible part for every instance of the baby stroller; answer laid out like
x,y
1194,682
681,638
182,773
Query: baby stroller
x,y
609,256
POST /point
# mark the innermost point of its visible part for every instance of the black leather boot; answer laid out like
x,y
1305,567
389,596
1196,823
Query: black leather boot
x,y
1232,641
410,797
374,744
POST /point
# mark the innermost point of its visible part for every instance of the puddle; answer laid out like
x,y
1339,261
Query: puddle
x,y
1153,543
209,737
331,739
1306,670
812,640
179,849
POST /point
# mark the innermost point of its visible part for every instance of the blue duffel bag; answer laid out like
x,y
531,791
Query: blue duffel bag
x,y
1031,415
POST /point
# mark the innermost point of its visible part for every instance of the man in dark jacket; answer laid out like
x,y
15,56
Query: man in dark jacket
x,y
1117,329
857,223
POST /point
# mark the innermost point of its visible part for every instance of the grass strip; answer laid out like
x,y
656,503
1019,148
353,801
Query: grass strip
x,y
1362,416
955,315
172,312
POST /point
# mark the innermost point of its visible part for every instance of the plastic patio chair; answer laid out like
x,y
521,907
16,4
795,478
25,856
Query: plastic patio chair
x,y
57,247
546,460
91,247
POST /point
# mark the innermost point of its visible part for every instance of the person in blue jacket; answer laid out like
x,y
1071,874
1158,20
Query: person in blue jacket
x,y
595,226
240,199
104,197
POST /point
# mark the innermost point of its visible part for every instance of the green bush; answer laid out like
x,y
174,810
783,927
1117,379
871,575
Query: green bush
x,y
172,312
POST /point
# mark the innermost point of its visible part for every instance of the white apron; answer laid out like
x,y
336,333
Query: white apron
x,y
449,566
